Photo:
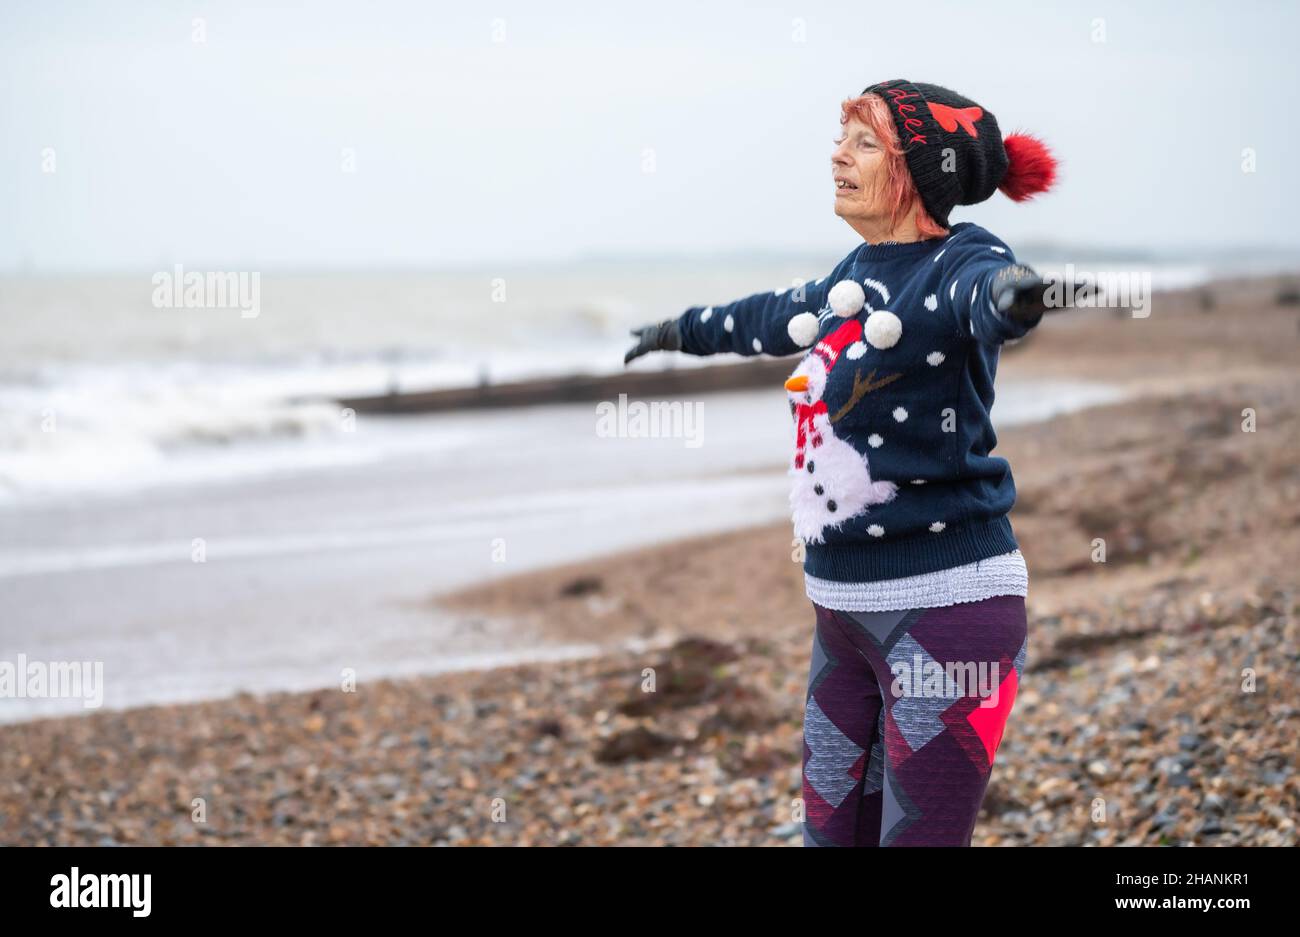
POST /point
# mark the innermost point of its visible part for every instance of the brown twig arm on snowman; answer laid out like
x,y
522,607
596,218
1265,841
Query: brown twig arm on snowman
x,y
860,389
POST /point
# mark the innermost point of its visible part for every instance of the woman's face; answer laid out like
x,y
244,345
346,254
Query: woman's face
x,y
858,168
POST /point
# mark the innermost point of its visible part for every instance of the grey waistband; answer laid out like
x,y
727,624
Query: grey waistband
x,y
998,575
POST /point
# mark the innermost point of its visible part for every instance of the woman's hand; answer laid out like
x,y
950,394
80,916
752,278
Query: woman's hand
x,y
662,336
1020,294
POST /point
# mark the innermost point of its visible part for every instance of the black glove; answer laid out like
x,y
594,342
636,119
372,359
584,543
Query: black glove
x,y
1020,294
662,336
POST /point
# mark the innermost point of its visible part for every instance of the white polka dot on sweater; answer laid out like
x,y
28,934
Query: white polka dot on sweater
x,y
918,481
952,290
876,530
900,414
875,441
934,359
932,302
706,315
1000,250
729,323
937,526
758,346
856,350
974,291
937,256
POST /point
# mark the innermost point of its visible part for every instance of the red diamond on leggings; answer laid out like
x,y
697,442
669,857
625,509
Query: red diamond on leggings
x,y
988,722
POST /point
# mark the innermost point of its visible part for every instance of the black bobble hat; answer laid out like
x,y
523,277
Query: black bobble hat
x,y
955,151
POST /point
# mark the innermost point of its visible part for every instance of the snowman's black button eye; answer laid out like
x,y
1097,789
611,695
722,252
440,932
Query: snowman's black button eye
x,y
830,506
810,465
819,489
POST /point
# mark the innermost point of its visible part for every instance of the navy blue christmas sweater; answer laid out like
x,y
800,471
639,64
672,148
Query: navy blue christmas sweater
x,y
891,473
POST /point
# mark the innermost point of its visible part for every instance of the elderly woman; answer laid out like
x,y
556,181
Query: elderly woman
x,y
914,573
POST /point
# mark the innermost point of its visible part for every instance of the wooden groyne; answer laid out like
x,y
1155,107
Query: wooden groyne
x,y
766,372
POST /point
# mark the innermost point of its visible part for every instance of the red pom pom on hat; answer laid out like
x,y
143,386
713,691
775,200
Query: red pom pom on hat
x,y
1031,167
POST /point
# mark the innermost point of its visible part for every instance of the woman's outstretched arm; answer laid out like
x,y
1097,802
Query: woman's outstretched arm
x,y
993,298
775,322
756,325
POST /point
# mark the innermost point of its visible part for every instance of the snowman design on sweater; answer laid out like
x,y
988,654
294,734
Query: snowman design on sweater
x,y
890,400
831,480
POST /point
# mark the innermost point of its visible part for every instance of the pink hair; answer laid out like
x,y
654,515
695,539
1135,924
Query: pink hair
x,y
900,193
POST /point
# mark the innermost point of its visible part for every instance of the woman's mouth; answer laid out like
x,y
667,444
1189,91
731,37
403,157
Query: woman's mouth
x,y
844,185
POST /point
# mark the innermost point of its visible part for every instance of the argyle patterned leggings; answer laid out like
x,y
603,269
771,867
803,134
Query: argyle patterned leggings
x,y
904,714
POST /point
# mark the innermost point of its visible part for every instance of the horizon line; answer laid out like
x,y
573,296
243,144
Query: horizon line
x,y
1190,252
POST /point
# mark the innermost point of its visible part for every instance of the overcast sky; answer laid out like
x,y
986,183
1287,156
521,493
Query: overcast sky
x,y
478,132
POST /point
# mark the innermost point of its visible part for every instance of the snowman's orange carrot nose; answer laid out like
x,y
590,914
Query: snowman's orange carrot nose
x,y
797,384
